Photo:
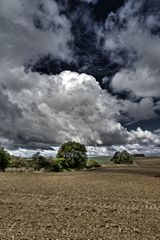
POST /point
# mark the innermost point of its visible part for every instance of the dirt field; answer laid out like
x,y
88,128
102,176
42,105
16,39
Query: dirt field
x,y
109,203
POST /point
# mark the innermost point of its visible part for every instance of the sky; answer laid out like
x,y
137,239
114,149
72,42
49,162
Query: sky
x,y
81,70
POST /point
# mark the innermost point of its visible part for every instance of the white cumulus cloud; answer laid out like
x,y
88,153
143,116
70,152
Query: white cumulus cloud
x,y
42,110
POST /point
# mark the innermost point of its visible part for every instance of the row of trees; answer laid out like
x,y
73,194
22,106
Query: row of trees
x,y
71,155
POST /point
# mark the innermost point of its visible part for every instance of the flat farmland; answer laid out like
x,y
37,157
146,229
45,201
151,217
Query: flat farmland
x,y
108,203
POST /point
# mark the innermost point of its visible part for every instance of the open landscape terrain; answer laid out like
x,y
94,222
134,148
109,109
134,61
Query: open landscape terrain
x,y
106,203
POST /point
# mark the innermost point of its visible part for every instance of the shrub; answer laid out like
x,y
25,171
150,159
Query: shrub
x,y
63,163
17,162
92,164
74,153
56,166
59,164
39,162
4,159
122,158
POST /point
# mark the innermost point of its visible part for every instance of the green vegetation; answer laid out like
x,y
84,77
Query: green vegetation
x,y
40,162
61,164
91,163
74,153
122,158
71,155
4,159
17,162
101,159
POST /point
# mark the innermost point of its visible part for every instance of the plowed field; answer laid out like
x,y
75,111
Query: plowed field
x,y
108,203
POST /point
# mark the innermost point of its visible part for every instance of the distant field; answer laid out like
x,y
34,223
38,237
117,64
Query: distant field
x,y
108,203
102,160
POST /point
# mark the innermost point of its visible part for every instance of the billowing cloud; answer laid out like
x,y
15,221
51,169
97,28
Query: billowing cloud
x,y
146,137
43,110
137,111
32,29
132,40
142,82
38,111
56,108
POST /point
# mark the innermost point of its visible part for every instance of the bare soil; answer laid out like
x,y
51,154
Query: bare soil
x,y
108,203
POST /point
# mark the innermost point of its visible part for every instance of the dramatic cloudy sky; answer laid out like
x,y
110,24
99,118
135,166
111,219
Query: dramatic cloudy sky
x,y
84,70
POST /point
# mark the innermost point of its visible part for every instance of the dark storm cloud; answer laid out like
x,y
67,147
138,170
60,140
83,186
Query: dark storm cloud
x,y
86,21
9,114
48,105
131,40
90,1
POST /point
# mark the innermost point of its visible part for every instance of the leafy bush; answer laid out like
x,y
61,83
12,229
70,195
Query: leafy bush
x,y
122,158
92,164
74,153
59,164
17,162
4,159
39,162
63,163
56,166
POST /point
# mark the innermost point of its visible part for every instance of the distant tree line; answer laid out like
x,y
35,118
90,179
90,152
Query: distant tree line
x,y
71,155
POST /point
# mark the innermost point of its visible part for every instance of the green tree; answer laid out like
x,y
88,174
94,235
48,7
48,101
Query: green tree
x,y
75,153
4,159
122,158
